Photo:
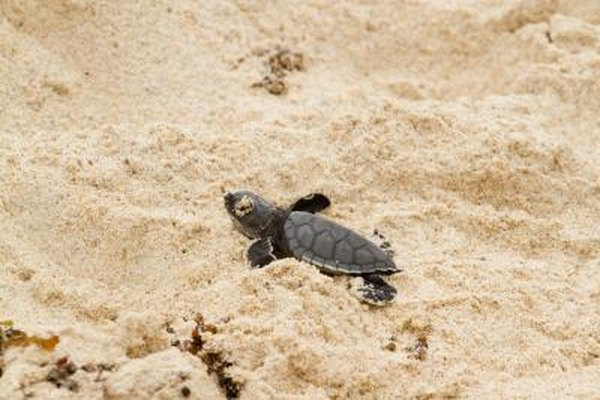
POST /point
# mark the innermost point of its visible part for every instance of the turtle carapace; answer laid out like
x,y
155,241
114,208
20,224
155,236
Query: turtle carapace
x,y
297,231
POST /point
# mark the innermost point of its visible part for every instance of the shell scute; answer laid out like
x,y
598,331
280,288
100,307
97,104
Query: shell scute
x,y
333,247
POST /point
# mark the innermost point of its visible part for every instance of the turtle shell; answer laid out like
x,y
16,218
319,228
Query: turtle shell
x,y
333,247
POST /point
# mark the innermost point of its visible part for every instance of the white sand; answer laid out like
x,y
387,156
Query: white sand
x,y
467,132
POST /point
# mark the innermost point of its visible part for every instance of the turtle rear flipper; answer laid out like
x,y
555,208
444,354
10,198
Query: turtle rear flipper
x,y
375,290
261,252
312,203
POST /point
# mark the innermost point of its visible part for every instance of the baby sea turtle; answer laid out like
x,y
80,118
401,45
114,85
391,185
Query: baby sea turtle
x,y
298,232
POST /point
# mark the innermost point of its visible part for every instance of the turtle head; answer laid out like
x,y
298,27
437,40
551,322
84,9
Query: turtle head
x,y
250,213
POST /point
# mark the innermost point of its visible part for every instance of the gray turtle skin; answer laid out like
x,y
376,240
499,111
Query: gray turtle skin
x,y
299,232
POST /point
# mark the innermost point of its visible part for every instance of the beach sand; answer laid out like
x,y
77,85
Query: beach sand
x,y
466,132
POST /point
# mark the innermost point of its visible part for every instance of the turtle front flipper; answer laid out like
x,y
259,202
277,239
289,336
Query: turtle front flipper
x,y
375,290
312,203
261,252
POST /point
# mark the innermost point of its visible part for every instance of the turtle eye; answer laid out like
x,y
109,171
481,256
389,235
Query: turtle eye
x,y
244,206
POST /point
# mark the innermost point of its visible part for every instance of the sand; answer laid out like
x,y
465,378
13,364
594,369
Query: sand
x,y
466,132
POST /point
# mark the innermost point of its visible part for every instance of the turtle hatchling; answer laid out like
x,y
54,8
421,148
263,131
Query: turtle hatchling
x,y
298,231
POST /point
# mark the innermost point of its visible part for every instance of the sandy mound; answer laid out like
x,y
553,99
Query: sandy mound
x,y
466,133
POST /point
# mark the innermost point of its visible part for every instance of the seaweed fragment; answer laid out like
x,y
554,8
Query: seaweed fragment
x,y
284,61
60,374
419,350
391,344
98,368
276,86
281,62
11,337
422,332
216,363
186,392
